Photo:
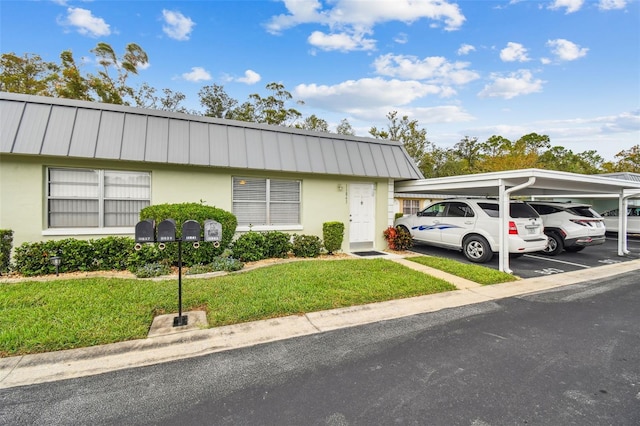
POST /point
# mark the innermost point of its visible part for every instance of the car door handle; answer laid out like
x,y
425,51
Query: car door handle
x,y
469,222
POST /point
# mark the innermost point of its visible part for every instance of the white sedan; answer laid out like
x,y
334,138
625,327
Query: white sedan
x,y
610,218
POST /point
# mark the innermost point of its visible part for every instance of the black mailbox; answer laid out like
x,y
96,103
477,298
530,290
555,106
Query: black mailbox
x,y
145,231
191,231
167,231
212,231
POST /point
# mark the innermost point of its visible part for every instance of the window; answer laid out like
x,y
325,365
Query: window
x,y
410,206
87,198
459,210
267,202
434,210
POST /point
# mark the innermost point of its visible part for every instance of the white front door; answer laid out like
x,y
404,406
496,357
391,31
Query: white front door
x,y
362,213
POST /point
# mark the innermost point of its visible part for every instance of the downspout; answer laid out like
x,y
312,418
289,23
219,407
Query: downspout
x,y
504,221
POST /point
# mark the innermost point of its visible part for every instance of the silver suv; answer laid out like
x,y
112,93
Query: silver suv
x,y
569,226
472,225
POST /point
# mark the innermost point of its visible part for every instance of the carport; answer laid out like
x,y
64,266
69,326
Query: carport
x,y
528,183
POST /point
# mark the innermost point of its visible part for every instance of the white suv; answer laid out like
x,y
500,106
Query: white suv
x,y
569,226
472,225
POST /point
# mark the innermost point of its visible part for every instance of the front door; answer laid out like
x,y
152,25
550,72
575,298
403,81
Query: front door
x,y
361,214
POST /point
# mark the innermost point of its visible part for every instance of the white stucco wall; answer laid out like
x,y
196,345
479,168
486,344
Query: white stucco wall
x,y
23,196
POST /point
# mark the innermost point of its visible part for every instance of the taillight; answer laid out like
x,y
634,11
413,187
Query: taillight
x,y
513,229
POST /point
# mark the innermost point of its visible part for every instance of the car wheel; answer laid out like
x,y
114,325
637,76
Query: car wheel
x,y
574,249
477,249
555,245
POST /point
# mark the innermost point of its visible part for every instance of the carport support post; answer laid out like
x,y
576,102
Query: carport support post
x,y
503,254
623,204
505,214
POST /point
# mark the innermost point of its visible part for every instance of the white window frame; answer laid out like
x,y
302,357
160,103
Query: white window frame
x,y
100,197
267,226
410,208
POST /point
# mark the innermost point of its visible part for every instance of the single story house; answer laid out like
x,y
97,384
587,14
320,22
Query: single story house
x,y
79,169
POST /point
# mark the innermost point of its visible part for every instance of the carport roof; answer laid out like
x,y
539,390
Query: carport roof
x,y
547,182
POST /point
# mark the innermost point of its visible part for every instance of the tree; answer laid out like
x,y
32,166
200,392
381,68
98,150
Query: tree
x,y
313,123
269,110
410,134
70,83
468,151
217,102
27,74
565,160
627,161
344,128
115,90
145,97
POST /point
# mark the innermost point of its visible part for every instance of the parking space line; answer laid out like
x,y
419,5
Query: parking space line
x,y
556,260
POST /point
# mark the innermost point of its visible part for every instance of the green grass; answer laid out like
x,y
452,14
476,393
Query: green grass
x,y
64,314
476,273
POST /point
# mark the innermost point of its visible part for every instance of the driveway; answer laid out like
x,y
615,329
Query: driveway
x,y
536,264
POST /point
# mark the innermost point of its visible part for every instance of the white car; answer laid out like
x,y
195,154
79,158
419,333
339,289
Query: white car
x,y
569,226
472,225
633,220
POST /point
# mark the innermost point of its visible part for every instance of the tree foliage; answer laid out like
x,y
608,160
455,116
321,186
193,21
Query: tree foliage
x,y
30,74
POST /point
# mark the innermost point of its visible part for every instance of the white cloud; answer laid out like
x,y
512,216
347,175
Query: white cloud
x,y
177,26
340,41
401,38
434,69
514,84
566,50
357,18
197,74
465,49
250,77
612,4
570,5
514,52
85,23
366,93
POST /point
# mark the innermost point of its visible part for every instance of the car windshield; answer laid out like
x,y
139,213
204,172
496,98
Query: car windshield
x,y
517,210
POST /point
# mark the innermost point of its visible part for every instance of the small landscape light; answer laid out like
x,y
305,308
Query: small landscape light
x,y
55,261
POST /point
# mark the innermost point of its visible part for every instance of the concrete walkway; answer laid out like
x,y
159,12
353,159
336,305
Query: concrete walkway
x,y
192,340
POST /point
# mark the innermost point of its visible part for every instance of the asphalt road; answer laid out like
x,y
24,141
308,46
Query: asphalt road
x,y
564,357
536,264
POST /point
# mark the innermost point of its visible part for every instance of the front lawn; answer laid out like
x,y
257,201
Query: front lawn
x,y
476,273
71,313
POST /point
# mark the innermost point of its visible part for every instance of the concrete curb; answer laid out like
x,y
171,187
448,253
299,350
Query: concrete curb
x,y
47,367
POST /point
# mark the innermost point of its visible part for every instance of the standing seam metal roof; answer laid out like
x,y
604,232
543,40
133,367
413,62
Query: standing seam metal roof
x,y
36,125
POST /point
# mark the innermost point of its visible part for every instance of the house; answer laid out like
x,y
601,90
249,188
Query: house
x,y
80,169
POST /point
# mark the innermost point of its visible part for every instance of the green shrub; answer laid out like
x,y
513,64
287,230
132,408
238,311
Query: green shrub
x,y
198,212
33,258
6,244
276,244
333,234
249,247
148,254
112,253
152,270
398,215
306,245
227,264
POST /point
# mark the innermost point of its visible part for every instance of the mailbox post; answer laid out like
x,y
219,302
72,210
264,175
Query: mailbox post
x,y
166,233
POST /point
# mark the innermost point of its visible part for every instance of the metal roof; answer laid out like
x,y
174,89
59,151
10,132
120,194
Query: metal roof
x,y
36,125
634,177
547,182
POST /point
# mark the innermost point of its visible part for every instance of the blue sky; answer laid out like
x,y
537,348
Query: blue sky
x,y
569,69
